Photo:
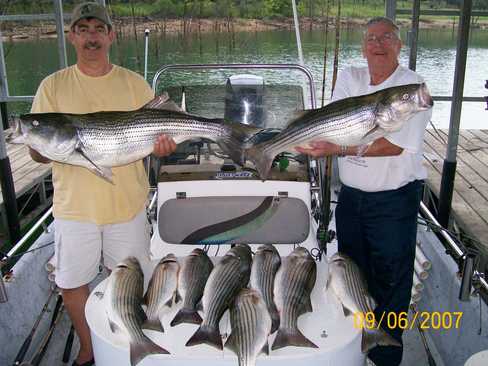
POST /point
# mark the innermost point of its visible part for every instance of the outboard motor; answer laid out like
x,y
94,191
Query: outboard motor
x,y
244,99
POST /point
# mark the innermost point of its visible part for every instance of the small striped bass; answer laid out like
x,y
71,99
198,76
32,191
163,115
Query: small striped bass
x,y
193,276
123,296
162,291
294,283
227,278
251,325
265,264
349,285
349,122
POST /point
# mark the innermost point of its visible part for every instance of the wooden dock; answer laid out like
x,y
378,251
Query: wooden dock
x,y
470,197
28,176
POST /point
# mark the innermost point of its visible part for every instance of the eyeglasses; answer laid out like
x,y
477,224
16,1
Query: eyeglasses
x,y
386,38
84,31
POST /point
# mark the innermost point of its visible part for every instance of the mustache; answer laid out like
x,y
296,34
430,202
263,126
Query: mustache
x,y
90,44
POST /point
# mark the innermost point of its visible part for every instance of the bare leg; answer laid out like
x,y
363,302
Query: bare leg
x,y
74,301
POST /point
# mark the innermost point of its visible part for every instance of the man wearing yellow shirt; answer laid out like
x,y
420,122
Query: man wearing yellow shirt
x,y
92,216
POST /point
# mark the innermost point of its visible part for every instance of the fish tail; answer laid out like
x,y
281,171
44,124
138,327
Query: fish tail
x,y
142,349
275,320
208,335
291,337
190,316
376,337
261,160
153,324
234,148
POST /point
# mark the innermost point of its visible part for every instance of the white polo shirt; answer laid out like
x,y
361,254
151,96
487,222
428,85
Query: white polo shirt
x,y
373,174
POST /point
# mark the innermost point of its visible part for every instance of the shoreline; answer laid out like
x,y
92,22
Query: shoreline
x,y
17,31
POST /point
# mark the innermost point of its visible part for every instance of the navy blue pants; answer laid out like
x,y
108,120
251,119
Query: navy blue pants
x,y
378,231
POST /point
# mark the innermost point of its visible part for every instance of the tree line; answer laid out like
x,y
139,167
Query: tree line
x,y
228,8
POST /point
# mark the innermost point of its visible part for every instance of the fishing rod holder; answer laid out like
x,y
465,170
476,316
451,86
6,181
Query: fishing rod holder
x,y
467,277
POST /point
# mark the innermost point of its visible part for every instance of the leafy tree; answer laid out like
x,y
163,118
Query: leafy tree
x,y
276,8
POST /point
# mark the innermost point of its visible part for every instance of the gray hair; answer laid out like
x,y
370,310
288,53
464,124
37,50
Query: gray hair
x,y
384,20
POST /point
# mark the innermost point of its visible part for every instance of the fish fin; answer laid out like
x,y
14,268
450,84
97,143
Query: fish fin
x,y
262,162
307,306
346,311
199,306
153,324
178,297
265,348
113,327
291,337
376,337
374,129
231,344
186,316
140,350
157,101
275,320
169,303
208,335
102,172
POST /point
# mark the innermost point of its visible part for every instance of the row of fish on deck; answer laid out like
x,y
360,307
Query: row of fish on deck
x,y
102,140
264,294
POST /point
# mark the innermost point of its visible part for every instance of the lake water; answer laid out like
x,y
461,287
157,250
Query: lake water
x,y
28,62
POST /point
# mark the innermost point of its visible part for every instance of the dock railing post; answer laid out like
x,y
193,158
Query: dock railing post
x,y
449,167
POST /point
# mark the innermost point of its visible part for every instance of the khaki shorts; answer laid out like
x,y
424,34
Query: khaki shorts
x,y
80,247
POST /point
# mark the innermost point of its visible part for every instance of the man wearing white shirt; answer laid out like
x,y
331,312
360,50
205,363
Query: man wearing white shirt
x,y
376,216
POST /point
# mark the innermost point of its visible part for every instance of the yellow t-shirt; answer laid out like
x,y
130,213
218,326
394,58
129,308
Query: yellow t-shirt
x,y
78,193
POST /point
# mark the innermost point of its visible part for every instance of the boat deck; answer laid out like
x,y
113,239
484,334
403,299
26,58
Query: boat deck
x,y
470,196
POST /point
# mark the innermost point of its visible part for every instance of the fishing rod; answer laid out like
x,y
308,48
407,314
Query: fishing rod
x,y
325,51
430,358
69,344
326,235
41,351
27,342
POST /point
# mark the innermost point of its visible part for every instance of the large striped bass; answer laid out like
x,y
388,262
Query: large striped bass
x,y
348,283
294,283
348,122
123,296
193,276
162,291
102,140
227,278
251,325
265,264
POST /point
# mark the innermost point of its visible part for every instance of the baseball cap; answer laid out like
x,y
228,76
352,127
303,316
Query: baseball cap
x,y
90,10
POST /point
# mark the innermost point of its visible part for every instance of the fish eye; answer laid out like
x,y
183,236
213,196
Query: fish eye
x,y
405,96
35,123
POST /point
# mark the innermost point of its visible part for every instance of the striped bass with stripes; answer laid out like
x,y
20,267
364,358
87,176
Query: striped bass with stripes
x,y
251,325
265,264
348,122
193,276
227,278
102,140
123,296
162,291
294,283
349,285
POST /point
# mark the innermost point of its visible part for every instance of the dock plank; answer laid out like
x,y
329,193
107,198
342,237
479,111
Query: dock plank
x,y
470,196
26,173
